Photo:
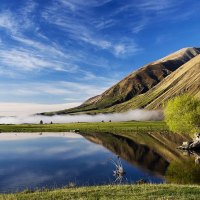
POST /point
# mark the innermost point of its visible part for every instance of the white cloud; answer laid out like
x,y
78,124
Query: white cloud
x,y
30,54
84,29
152,5
126,47
150,12
140,25
52,49
79,92
35,55
119,49
13,109
7,21
28,8
104,23
75,5
26,14
26,60
19,21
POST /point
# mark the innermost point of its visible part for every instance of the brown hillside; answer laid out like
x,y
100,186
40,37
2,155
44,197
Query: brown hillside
x,y
143,79
184,80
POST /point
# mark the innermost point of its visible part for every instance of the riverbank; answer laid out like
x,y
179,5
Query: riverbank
x,y
118,192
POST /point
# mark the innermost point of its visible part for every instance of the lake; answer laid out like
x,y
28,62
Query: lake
x,y
52,160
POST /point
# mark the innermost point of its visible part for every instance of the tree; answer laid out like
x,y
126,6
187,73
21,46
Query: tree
x,y
182,114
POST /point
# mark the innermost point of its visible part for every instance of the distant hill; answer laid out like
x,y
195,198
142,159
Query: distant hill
x,y
150,86
186,79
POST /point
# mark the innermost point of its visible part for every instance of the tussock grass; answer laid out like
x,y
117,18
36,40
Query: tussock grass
x,y
118,192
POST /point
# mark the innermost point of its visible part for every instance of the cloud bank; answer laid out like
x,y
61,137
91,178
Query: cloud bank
x,y
138,115
26,109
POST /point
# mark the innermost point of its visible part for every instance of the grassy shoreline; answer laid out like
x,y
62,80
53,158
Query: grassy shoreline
x,y
118,192
111,127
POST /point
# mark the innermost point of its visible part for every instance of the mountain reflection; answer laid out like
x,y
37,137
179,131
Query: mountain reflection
x,y
158,154
136,154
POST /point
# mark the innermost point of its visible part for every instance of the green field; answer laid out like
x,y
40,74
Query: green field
x,y
112,127
123,192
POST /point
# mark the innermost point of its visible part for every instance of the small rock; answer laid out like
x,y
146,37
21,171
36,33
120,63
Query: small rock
x,y
197,137
185,144
195,145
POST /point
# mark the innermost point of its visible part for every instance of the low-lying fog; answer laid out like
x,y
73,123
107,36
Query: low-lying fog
x,y
138,115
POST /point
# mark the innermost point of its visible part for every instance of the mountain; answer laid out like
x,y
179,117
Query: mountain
x,y
149,86
185,79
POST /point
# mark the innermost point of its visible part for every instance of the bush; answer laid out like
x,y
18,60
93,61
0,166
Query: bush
x,y
182,114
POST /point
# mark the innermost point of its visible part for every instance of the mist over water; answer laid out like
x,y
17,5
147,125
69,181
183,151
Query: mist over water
x,y
137,115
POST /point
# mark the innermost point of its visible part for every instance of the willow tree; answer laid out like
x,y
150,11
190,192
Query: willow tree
x,y
182,114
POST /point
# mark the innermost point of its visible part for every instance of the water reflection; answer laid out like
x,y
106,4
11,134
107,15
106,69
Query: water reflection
x,y
55,160
137,154
194,154
160,156
46,161
190,169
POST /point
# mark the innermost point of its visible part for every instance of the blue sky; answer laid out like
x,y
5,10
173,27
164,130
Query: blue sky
x,y
64,51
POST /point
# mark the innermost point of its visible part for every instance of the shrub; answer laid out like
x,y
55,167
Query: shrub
x,y
182,114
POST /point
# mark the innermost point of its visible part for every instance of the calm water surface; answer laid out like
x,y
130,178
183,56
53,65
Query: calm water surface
x,y
30,161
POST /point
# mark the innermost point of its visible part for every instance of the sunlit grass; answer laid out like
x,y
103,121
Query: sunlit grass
x,y
112,127
118,192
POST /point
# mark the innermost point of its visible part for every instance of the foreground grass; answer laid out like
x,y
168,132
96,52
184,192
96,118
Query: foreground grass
x,y
146,191
112,127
